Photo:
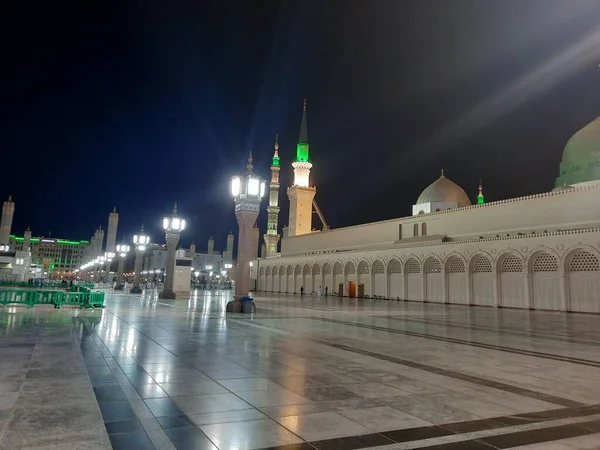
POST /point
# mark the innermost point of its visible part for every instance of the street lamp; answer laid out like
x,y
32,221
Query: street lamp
x,y
141,241
109,258
122,250
247,191
173,226
4,248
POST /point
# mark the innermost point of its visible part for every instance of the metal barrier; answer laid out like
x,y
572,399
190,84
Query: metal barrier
x,y
83,297
44,285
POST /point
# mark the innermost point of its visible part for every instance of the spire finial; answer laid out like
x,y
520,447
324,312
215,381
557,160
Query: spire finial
x,y
304,105
142,229
175,209
114,209
442,172
250,166
9,198
480,197
276,143
303,147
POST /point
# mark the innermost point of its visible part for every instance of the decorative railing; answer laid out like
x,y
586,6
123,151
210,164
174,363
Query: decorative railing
x,y
39,284
82,297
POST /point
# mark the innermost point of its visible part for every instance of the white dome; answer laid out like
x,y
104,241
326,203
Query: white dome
x,y
564,187
443,190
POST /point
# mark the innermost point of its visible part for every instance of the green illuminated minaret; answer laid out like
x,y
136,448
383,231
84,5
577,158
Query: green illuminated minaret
x,y
302,147
301,193
480,197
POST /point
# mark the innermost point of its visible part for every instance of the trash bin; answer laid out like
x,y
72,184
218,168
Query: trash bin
x,y
247,304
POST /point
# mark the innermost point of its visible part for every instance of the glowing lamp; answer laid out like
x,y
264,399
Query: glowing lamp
x,y
122,250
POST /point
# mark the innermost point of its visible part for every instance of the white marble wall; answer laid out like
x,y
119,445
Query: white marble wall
x,y
554,271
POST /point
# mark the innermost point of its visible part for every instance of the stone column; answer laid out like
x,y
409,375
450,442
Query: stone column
x,y
139,260
246,219
496,290
528,299
172,239
120,270
565,302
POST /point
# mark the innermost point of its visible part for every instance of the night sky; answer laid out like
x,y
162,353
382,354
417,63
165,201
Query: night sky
x,y
137,104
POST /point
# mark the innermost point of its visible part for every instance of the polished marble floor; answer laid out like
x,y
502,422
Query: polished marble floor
x,y
303,373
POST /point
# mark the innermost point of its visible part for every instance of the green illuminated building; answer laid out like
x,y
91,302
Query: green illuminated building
x,y
62,255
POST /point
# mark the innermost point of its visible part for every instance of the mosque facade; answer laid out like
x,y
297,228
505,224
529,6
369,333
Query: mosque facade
x,y
538,252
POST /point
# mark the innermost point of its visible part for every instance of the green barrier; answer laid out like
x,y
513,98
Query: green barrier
x,y
84,298
46,285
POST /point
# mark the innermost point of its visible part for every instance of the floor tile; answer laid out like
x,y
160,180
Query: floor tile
x,y
150,391
249,434
162,407
352,442
320,426
383,418
127,426
160,439
273,397
116,411
175,422
190,438
226,416
196,404
34,426
109,394
200,387
137,441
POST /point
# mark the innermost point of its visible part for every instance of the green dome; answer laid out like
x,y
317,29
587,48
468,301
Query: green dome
x,y
581,157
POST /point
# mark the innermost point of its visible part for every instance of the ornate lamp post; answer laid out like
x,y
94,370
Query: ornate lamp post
x,y
101,262
109,258
140,241
173,227
4,248
247,191
122,250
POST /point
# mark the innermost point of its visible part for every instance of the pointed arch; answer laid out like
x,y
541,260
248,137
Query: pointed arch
x,y
338,278
395,281
455,268
482,280
364,279
512,293
350,268
433,280
413,279
546,284
289,279
582,272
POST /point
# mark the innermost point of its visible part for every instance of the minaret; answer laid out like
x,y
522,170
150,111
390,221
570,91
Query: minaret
x,y
27,239
272,237
8,211
111,235
480,197
100,240
301,194
211,246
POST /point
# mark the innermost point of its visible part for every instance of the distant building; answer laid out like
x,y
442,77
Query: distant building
x,y
59,257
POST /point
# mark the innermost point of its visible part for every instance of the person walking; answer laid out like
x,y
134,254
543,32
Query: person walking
x,y
320,292
301,291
